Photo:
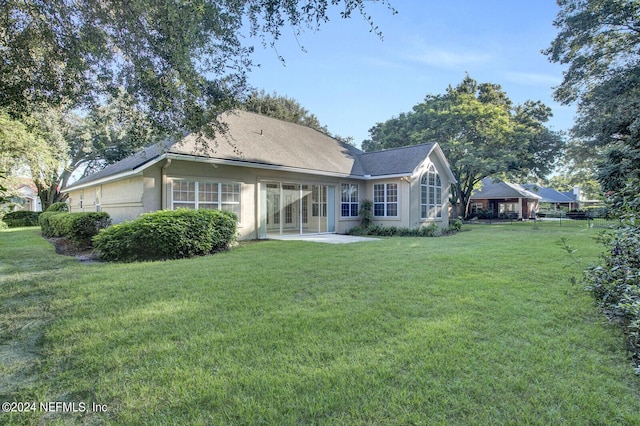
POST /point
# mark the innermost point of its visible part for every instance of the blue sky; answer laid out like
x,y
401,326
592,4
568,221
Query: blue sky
x,y
351,80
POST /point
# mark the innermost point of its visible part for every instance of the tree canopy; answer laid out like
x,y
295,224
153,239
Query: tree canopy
x,y
480,131
599,40
134,70
182,63
283,108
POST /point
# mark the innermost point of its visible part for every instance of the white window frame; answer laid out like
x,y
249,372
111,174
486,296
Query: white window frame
x,y
431,194
220,193
350,199
388,199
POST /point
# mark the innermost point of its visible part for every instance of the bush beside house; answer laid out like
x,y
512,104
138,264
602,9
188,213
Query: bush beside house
x,y
78,228
615,281
167,234
367,228
20,218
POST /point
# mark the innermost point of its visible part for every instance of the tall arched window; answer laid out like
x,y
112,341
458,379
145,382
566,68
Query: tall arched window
x,y
431,194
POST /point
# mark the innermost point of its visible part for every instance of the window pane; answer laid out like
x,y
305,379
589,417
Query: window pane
x,y
344,210
230,193
378,209
392,209
378,193
392,192
208,206
207,192
354,209
236,209
184,191
345,192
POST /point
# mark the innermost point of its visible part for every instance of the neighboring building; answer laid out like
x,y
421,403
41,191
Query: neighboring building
x,y
504,200
24,195
278,177
556,199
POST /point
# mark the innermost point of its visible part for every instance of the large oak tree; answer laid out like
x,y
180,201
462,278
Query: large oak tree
x,y
178,64
182,62
481,133
599,40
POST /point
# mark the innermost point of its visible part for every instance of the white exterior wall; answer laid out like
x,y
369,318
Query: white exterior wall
x,y
152,190
121,199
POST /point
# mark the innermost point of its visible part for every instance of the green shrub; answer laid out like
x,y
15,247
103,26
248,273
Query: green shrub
x,y
431,230
45,223
455,225
366,213
78,228
615,282
3,225
167,234
58,207
82,227
21,218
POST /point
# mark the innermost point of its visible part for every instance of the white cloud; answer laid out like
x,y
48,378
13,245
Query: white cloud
x,y
534,79
449,59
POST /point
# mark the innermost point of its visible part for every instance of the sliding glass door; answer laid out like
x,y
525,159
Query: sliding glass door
x,y
293,208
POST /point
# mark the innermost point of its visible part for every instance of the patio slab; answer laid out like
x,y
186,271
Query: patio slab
x,y
324,238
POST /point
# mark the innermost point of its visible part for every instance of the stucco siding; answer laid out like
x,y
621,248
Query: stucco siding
x,y
251,180
121,199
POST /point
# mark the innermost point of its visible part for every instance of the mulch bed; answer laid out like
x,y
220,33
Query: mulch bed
x,y
66,248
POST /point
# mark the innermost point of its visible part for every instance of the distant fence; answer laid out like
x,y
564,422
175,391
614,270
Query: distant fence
x,y
596,217
587,222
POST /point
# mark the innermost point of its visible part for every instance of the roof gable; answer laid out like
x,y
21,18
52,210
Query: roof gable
x,y
257,140
495,189
549,195
395,161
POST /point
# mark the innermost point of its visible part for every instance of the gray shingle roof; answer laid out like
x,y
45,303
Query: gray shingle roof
x,y
395,161
492,189
261,140
549,195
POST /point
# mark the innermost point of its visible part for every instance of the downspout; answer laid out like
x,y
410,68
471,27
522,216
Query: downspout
x,y
164,192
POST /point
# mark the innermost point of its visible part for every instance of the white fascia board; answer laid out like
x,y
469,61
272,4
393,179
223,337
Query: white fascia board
x,y
393,176
112,178
240,163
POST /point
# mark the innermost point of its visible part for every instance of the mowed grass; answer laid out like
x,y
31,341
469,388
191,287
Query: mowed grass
x,y
482,327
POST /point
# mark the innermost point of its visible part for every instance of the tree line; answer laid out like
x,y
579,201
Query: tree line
x,y
86,83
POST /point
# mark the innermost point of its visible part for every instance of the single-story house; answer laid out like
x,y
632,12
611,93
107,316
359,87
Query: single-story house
x,y
499,199
24,195
555,199
278,177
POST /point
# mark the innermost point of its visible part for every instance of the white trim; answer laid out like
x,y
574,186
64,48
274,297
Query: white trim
x,y
350,202
197,201
386,201
238,163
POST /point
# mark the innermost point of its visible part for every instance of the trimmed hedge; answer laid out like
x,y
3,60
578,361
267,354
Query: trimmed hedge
x,y
58,207
78,228
431,230
21,218
167,234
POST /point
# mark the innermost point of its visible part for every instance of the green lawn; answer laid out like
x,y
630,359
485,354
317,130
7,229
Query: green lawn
x,y
482,327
